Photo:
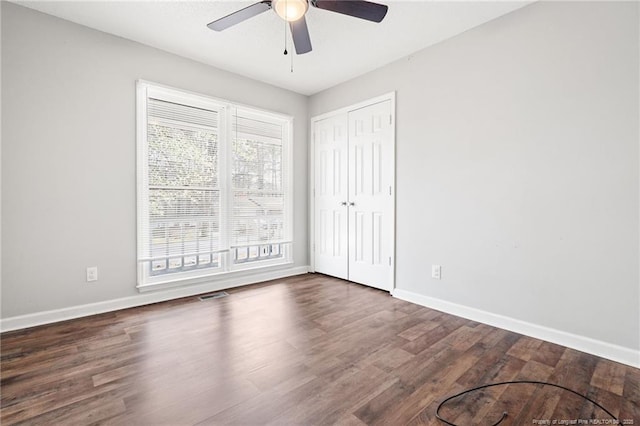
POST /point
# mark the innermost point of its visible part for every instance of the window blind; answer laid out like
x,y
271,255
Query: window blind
x,y
258,187
183,193
184,114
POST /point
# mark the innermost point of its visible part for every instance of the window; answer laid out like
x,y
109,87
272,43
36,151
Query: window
x,y
213,194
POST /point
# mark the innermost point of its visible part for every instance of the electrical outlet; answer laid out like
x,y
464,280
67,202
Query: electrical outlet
x,y
92,274
436,272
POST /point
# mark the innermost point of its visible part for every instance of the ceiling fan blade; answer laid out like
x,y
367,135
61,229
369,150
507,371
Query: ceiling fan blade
x,y
358,8
240,15
300,34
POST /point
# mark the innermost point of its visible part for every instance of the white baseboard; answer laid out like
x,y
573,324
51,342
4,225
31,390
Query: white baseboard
x,y
47,317
599,348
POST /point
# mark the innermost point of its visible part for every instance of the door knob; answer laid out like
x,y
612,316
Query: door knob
x,y
344,203
352,203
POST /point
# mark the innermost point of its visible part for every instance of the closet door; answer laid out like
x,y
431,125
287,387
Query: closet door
x,y
330,159
371,168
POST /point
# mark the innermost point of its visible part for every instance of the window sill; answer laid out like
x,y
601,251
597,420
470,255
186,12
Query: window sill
x,y
227,279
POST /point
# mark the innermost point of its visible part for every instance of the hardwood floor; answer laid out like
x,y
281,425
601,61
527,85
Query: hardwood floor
x,y
304,350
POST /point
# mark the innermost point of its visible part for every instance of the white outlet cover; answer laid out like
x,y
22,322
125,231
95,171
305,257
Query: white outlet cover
x,y
436,272
92,273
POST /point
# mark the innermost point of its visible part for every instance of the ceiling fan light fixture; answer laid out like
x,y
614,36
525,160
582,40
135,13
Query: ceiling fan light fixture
x,y
290,10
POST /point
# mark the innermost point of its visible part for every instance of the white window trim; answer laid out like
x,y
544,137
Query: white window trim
x,y
227,269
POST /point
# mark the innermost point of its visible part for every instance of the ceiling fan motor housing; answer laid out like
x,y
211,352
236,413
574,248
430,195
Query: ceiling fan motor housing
x,y
290,10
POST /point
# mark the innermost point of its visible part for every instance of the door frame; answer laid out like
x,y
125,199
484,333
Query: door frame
x,y
391,96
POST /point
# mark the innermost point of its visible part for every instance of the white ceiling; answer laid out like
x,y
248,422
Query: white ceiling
x,y
343,47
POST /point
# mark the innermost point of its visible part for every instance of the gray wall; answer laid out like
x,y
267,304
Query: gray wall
x,y
69,149
517,167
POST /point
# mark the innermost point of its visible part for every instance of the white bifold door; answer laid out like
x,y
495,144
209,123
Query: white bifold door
x,y
353,203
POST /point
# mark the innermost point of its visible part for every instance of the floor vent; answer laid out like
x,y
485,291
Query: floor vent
x,y
213,295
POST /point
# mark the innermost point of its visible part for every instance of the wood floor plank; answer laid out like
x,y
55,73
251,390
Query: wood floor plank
x,y
525,348
420,329
609,375
265,407
548,353
493,361
630,403
308,350
611,401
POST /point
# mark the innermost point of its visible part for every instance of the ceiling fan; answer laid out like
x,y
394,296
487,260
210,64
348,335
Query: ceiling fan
x,y
293,11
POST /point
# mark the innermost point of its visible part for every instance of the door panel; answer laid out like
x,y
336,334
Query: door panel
x,y
330,137
370,200
354,154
